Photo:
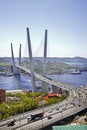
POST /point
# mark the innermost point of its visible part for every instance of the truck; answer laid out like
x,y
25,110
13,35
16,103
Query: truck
x,y
34,117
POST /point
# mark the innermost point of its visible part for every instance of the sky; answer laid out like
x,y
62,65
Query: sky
x,y
65,20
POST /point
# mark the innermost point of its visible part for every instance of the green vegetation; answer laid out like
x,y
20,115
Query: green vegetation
x,y
52,68
57,68
4,67
38,67
53,100
4,111
24,102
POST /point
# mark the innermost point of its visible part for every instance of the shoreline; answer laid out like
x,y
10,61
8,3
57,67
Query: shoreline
x,y
14,91
6,74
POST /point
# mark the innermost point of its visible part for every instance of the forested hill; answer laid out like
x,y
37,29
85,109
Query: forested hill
x,y
49,59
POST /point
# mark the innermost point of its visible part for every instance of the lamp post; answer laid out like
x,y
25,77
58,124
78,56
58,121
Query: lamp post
x,y
61,113
42,109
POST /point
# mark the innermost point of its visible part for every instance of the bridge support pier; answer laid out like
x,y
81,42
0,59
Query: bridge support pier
x,y
55,89
45,87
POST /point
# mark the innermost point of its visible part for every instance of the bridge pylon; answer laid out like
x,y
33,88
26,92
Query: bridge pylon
x,y
20,55
31,61
14,70
45,86
19,62
45,53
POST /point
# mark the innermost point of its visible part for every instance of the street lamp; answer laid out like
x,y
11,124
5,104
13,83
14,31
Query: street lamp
x,y
42,109
57,107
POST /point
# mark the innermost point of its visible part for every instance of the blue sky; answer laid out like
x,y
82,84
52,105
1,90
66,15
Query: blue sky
x,y
65,20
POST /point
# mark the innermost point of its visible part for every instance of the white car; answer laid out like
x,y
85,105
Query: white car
x,y
50,111
64,107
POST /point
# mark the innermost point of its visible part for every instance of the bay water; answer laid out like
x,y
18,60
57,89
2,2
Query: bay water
x,y
13,83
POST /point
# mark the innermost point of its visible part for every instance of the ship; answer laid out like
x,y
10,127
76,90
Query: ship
x,y
75,72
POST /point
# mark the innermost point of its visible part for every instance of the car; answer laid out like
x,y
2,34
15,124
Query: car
x,y
57,108
64,107
79,105
50,111
85,119
11,123
49,117
72,103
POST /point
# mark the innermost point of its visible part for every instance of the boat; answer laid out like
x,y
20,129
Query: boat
x,y
6,74
75,72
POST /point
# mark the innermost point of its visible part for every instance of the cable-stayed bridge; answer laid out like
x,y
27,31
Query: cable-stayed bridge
x,y
34,76
76,101
46,79
31,60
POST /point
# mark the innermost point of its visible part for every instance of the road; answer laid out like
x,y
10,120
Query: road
x,y
76,102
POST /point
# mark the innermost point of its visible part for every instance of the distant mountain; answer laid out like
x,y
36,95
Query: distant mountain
x,y
5,59
49,59
79,59
62,59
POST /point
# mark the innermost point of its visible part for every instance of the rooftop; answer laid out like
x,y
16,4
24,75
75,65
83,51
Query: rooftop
x,y
70,127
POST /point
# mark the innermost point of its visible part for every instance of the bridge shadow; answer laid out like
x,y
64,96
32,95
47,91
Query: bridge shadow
x,y
17,75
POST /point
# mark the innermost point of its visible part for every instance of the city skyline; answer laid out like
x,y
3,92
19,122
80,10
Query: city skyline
x,y
65,20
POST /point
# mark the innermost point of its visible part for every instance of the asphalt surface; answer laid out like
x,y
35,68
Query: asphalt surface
x,y
76,102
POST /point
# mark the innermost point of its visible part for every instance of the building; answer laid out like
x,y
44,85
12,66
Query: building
x,y
2,95
59,90
70,127
56,90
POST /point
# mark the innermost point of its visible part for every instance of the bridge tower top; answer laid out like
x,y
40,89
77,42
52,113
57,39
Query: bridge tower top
x,y
45,53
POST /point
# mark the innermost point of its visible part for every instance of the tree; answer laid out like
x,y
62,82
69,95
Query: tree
x,y
3,110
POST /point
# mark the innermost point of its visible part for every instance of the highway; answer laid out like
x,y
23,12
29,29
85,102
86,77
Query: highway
x,y
76,102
